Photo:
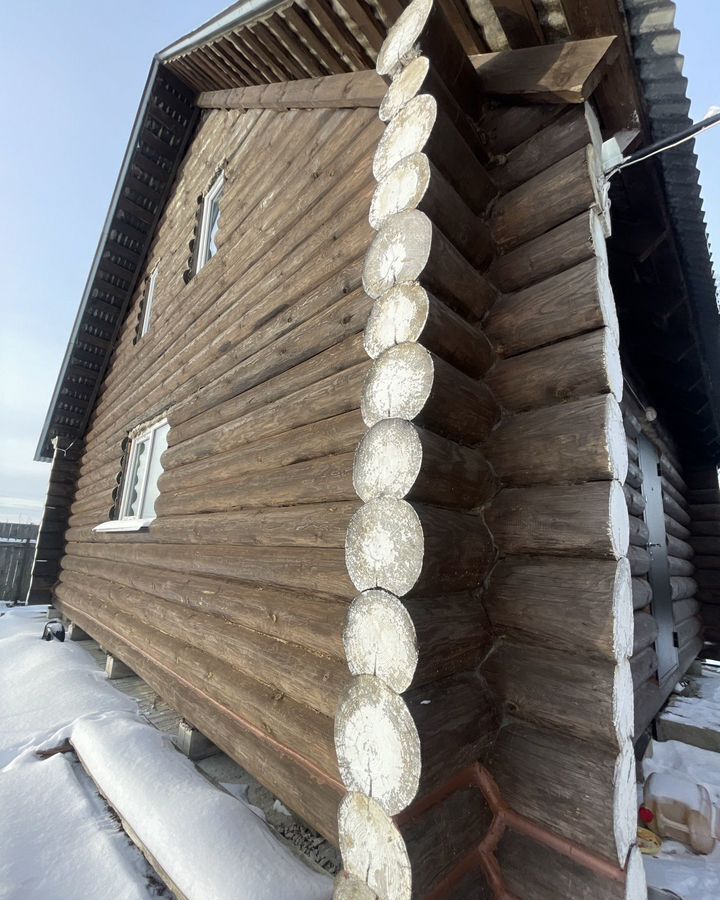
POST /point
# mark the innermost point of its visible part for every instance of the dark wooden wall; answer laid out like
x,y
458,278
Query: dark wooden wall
x,y
651,691
17,549
231,605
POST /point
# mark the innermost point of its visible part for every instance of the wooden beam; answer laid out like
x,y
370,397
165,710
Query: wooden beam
x,y
556,73
519,21
352,89
553,73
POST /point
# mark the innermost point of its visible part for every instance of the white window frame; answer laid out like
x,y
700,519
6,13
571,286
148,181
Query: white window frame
x,y
126,521
203,254
149,297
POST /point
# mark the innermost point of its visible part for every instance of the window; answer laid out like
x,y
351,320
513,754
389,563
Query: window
x,y
209,223
147,307
140,479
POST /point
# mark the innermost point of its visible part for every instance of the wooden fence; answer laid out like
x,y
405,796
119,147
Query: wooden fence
x,y
17,550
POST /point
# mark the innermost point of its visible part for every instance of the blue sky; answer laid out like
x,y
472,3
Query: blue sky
x,y
73,73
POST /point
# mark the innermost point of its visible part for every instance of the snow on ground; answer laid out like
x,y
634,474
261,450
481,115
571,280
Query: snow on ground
x,y
691,875
57,839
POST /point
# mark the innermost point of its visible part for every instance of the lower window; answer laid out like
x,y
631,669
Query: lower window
x,y
140,479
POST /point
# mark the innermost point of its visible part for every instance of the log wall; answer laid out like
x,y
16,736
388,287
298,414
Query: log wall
x,y
491,479
704,511
231,604
650,690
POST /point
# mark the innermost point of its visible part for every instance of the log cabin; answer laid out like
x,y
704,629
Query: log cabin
x,y
384,447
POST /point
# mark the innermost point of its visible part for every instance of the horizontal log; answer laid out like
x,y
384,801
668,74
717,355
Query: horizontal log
x,y
597,697
566,72
309,619
702,529
703,545
676,529
542,775
635,500
559,193
702,496
508,126
634,475
407,313
433,739
573,129
680,566
422,126
670,471
578,441
347,90
683,587
583,606
300,357
409,247
533,870
314,525
399,546
705,512
541,314
332,396
683,609
639,534
337,434
641,593
588,520
298,568
644,665
313,680
569,370
687,630
415,642
681,549
645,631
414,183
670,490
314,799
398,459
562,248
326,479
408,382
639,559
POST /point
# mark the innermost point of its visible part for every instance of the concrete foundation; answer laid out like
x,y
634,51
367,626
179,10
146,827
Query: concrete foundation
x,y
193,743
74,633
116,669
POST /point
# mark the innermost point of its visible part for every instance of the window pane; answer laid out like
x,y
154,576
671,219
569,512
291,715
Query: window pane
x,y
136,476
213,225
152,492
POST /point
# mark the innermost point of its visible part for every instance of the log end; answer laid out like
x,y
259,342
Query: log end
x,y
404,87
399,252
625,802
384,546
348,887
387,460
372,847
398,48
380,640
408,132
377,744
398,384
618,521
623,703
397,317
402,188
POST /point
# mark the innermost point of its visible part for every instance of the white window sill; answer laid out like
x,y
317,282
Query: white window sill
x,y
123,525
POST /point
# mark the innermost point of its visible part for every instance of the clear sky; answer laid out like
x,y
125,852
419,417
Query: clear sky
x,y
73,72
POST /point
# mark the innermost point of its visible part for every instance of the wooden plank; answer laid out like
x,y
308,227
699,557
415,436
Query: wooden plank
x,y
553,73
520,23
346,90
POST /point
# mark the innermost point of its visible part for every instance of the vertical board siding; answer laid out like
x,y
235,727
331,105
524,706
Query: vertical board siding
x,y
231,605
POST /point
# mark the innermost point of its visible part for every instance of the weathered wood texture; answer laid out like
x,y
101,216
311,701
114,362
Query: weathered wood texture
x,y
231,603
704,505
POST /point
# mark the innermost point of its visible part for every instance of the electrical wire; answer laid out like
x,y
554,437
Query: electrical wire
x,y
667,143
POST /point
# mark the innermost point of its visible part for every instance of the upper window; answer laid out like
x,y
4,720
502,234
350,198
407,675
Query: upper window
x,y
140,479
148,305
209,223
